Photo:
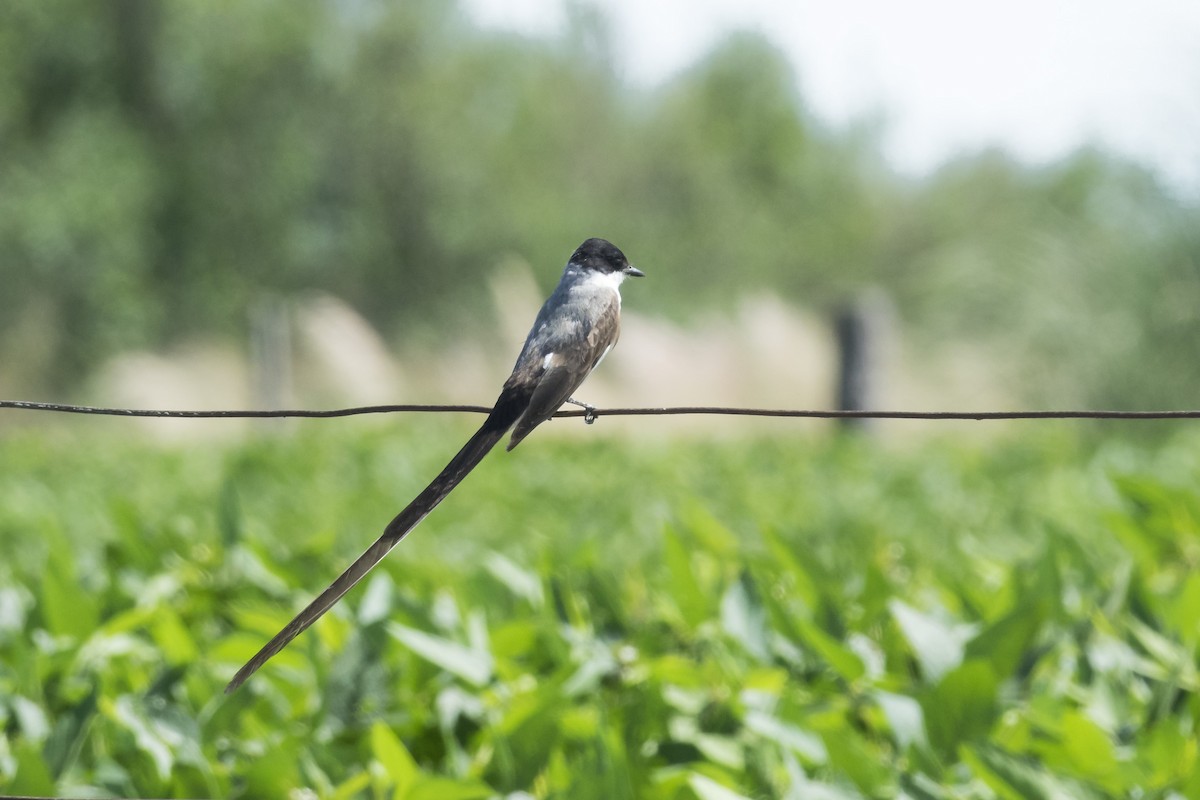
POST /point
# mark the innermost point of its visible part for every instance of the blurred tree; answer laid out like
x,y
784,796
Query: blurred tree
x,y
1076,273
752,191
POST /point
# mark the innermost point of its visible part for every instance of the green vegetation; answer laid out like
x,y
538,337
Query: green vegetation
x,y
785,617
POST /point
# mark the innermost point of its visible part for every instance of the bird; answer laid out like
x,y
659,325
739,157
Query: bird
x,y
572,333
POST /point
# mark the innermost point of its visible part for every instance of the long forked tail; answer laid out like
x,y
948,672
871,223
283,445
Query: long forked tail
x,y
508,408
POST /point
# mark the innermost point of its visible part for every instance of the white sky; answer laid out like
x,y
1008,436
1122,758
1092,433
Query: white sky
x,y
1039,77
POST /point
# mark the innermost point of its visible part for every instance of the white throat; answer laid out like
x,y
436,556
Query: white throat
x,y
604,280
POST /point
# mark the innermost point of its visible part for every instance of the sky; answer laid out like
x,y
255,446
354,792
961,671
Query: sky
x,y
1037,77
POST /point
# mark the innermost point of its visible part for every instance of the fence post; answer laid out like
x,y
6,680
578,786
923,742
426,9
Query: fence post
x,y
862,329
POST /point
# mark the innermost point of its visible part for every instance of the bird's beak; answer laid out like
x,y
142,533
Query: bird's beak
x,y
633,272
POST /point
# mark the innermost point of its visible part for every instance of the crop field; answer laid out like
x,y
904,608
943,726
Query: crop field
x,y
798,616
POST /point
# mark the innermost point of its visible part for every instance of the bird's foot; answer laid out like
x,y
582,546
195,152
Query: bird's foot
x,y
589,410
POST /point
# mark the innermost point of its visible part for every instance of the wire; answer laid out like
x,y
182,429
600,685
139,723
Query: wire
x,y
606,412
269,414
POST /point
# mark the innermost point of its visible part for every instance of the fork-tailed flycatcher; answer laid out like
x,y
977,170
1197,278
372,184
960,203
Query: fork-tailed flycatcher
x,y
573,332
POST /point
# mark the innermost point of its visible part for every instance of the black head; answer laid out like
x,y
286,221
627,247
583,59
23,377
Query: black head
x,y
602,255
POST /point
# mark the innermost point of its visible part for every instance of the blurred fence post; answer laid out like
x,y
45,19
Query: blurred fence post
x,y
271,353
863,329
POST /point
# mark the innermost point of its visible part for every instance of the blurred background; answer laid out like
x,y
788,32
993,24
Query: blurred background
x,y
293,203
316,203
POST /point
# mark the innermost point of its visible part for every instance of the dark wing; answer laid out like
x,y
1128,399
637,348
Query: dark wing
x,y
567,367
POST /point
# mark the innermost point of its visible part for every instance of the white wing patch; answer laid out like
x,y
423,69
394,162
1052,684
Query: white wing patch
x,y
546,361
602,355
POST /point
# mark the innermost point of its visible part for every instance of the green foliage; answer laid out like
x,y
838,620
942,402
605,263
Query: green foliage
x,y
784,617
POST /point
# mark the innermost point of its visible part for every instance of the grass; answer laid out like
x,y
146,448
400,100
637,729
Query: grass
x,y
781,617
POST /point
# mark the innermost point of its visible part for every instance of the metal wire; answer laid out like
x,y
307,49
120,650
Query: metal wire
x,y
603,412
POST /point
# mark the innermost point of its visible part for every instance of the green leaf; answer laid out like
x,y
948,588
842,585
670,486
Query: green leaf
x,y
808,745
904,717
792,570
353,786
514,639
66,606
1005,642
1174,659
840,658
743,617
962,707
1007,777
1020,779
674,668
1166,754
521,582
854,757
149,737
1090,750
708,789
32,776
377,600
389,751
429,788
937,644
31,720
723,750
472,666
229,514
695,605
70,733
1185,608
802,788
525,735
173,638
12,610
710,534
